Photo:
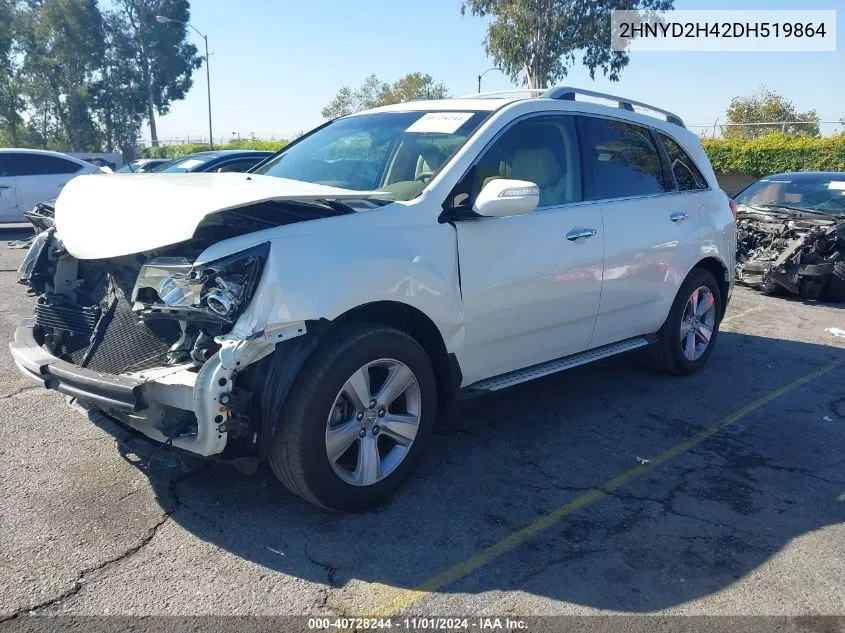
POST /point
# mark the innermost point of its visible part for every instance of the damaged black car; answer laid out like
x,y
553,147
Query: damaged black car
x,y
791,235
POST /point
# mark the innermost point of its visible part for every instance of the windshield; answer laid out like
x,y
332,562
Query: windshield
x,y
187,163
394,152
127,168
821,193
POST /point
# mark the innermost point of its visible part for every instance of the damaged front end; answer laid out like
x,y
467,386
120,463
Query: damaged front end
x,y
801,252
149,339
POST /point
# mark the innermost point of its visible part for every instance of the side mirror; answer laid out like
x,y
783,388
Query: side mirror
x,y
503,197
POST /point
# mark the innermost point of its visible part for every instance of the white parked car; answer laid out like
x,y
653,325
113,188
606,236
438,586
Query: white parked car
x,y
30,176
320,311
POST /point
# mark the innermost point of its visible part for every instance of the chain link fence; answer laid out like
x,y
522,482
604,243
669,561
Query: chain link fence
x,y
190,139
755,130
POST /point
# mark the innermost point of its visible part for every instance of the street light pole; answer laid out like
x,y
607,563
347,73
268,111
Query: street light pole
x,y
484,73
162,19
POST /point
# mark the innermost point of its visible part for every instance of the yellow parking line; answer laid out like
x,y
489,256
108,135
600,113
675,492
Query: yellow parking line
x,y
405,597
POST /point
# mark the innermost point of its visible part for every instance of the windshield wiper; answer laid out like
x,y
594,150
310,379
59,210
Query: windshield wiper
x,y
800,210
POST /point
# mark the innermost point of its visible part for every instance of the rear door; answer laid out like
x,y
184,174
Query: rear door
x,y
41,177
8,199
530,285
649,229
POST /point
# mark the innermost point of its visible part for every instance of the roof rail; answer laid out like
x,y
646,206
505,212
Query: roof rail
x,y
496,94
567,93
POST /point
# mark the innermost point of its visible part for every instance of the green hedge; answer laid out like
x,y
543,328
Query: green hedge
x,y
766,155
774,153
174,151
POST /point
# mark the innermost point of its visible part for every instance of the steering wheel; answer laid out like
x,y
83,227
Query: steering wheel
x,y
425,176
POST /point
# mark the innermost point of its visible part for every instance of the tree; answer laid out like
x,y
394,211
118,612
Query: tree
x,y
161,56
535,42
767,106
374,93
119,94
11,98
62,46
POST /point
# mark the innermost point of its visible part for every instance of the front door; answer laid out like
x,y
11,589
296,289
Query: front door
x,y
530,284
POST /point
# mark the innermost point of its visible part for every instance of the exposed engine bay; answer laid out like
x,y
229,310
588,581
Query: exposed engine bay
x,y
792,249
155,308
158,315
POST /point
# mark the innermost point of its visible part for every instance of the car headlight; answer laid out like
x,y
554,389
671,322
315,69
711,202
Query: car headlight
x,y
216,291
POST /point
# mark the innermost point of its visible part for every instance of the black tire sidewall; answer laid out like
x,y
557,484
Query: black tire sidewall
x,y
672,328
367,344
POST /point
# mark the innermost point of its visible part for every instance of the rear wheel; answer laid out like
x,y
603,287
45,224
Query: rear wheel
x,y
687,337
357,419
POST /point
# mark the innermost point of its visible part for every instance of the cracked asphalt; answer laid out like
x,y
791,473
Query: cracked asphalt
x,y
749,520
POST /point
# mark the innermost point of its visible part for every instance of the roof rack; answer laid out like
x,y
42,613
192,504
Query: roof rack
x,y
567,93
497,94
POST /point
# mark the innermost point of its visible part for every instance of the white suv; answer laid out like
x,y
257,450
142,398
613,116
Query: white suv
x,y
30,176
320,311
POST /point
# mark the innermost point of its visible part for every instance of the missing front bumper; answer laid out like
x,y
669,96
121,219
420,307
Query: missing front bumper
x,y
150,401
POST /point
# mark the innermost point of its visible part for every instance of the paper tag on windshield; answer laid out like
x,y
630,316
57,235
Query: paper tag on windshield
x,y
838,185
439,122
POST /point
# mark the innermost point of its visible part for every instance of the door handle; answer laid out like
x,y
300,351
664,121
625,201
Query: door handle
x,y
576,234
679,216
4,186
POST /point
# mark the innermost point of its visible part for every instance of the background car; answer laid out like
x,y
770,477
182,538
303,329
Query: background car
x,y
214,161
142,165
792,234
101,162
815,191
30,176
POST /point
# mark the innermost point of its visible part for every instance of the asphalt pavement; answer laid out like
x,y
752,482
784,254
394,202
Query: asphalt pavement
x,y
606,489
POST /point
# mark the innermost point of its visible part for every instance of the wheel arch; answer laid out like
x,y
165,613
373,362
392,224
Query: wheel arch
x,y
423,330
720,271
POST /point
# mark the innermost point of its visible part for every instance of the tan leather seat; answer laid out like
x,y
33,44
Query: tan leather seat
x,y
541,167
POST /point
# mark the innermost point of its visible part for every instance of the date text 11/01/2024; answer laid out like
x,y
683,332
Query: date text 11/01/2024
x,y
418,624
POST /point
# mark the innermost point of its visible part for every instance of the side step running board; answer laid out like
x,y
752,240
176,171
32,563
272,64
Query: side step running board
x,y
553,366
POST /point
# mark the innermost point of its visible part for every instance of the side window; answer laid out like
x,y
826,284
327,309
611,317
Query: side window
x,y
5,166
687,175
542,150
40,164
624,160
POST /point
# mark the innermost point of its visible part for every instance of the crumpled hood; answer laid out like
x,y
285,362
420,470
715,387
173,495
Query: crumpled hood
x,y
120,214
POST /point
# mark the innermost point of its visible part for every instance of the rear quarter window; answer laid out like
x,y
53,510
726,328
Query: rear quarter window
x,y
687,175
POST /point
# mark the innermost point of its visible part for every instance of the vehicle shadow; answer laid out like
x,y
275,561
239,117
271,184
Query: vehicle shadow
x,y
688,529
784,295
17,231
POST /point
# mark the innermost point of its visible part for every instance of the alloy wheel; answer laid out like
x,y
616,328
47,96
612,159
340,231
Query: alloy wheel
x,y
373,422
698,323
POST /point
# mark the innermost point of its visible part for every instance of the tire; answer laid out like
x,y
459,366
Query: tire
x,y
322,402
834,290
810,289
667,355
772,288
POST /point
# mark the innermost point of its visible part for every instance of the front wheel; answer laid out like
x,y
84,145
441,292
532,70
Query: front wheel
x,y
834,290
687,337
357,419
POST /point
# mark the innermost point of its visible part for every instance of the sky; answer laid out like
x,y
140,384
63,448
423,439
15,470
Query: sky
x,y
276,63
